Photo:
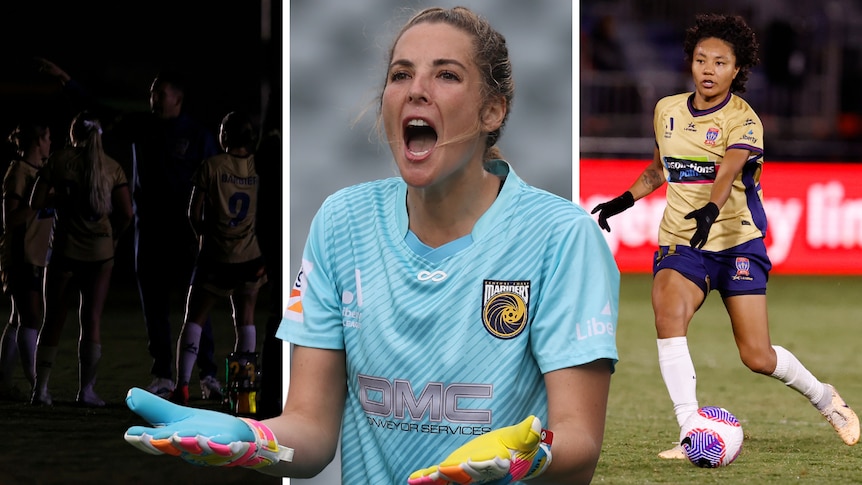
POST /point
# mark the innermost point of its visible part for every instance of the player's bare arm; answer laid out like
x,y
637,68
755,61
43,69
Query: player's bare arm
x,y
311,420
650,179
577,420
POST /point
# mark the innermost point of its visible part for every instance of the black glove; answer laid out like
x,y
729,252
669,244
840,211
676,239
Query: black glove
x,y
704,217
612,208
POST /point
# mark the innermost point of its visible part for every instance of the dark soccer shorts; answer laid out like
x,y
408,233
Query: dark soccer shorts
x,y
227,278
740,270
21,277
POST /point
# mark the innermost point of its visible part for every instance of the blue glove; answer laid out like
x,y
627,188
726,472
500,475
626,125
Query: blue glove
x,y
200,436
704,217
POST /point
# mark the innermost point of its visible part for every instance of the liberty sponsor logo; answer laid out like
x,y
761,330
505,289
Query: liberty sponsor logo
x,y
352,317
594,327
749,137
505,307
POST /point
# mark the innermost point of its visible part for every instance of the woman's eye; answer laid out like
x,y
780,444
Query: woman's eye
x,y
398,76
450,76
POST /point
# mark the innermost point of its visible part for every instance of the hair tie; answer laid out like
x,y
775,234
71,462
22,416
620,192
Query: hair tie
x,y
90,124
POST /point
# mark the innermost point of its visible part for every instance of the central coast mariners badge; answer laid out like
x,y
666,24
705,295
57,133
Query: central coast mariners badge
x,y
505,307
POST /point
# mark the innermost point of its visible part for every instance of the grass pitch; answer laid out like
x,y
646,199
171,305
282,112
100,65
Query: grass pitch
x,y
819,319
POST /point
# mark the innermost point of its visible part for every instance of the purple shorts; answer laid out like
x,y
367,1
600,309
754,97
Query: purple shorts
x,y
740,270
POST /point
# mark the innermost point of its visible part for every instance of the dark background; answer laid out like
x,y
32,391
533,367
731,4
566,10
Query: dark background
x,y
229,52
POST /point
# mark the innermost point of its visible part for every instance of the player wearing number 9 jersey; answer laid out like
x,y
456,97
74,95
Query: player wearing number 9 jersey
x,y
229,264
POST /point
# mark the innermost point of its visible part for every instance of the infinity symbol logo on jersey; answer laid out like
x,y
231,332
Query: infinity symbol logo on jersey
x,y
435,276
505,307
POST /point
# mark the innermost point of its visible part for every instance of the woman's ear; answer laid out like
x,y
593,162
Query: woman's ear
x,y
494,113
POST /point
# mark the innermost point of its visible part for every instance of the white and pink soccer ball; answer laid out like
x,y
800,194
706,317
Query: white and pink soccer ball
x,y
712,437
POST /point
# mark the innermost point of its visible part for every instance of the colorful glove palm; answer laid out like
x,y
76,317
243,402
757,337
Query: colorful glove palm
x,y
200,436
505,455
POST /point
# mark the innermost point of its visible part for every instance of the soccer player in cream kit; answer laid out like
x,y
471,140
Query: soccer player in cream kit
x,y
709,152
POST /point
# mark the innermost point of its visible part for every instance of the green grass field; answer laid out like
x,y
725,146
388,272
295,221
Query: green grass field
x,y
787,441
819,319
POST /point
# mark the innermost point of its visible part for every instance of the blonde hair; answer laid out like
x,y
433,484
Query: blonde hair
x,y
86,132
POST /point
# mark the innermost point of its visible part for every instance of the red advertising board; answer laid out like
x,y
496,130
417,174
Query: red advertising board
x,y
814,211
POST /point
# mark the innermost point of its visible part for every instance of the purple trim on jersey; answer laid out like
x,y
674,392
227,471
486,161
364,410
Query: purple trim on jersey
x,y
703,112
755,205
745,146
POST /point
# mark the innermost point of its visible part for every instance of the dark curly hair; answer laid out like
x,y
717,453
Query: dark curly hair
x,y
735,31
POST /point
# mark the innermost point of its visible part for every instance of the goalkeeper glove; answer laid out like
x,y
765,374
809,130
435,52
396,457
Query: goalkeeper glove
x,y
612,208
505,455
704,217
200,436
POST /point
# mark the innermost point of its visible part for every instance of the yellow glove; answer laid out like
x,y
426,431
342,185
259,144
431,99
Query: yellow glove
x,y
505,455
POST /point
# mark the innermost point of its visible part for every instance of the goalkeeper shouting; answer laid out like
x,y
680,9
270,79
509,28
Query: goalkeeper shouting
x,y
453,324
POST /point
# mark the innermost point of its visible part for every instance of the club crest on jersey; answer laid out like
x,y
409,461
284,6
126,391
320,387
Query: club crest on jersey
x,y
505,307
711,136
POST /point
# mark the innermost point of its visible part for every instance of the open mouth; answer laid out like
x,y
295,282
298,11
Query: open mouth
x,y
419,137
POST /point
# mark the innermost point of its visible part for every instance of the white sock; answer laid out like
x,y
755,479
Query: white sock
x,y
790,371
45,357
246,338
27,338
187,352
677,370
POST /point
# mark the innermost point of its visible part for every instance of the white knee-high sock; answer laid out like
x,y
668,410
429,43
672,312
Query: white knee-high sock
x,y
790,371
246,338
27,338
677,370
8,355
45,357
187,352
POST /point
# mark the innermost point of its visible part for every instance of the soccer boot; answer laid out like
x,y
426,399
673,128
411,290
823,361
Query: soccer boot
x,y
161,386
842,418
675,453
211,389
180,395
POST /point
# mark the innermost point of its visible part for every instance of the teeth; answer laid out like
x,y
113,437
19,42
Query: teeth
x,y
417,123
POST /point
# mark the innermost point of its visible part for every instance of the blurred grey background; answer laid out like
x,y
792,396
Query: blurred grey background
x,y
337,67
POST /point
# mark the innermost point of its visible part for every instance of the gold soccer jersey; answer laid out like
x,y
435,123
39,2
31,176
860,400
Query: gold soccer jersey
x,y
692,144
230,186
30,242
79,233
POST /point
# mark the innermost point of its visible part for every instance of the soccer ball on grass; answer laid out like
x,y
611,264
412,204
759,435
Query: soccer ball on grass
x,y
712,437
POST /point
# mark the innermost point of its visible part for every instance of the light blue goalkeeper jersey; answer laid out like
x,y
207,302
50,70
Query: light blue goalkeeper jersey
x,y
447,346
